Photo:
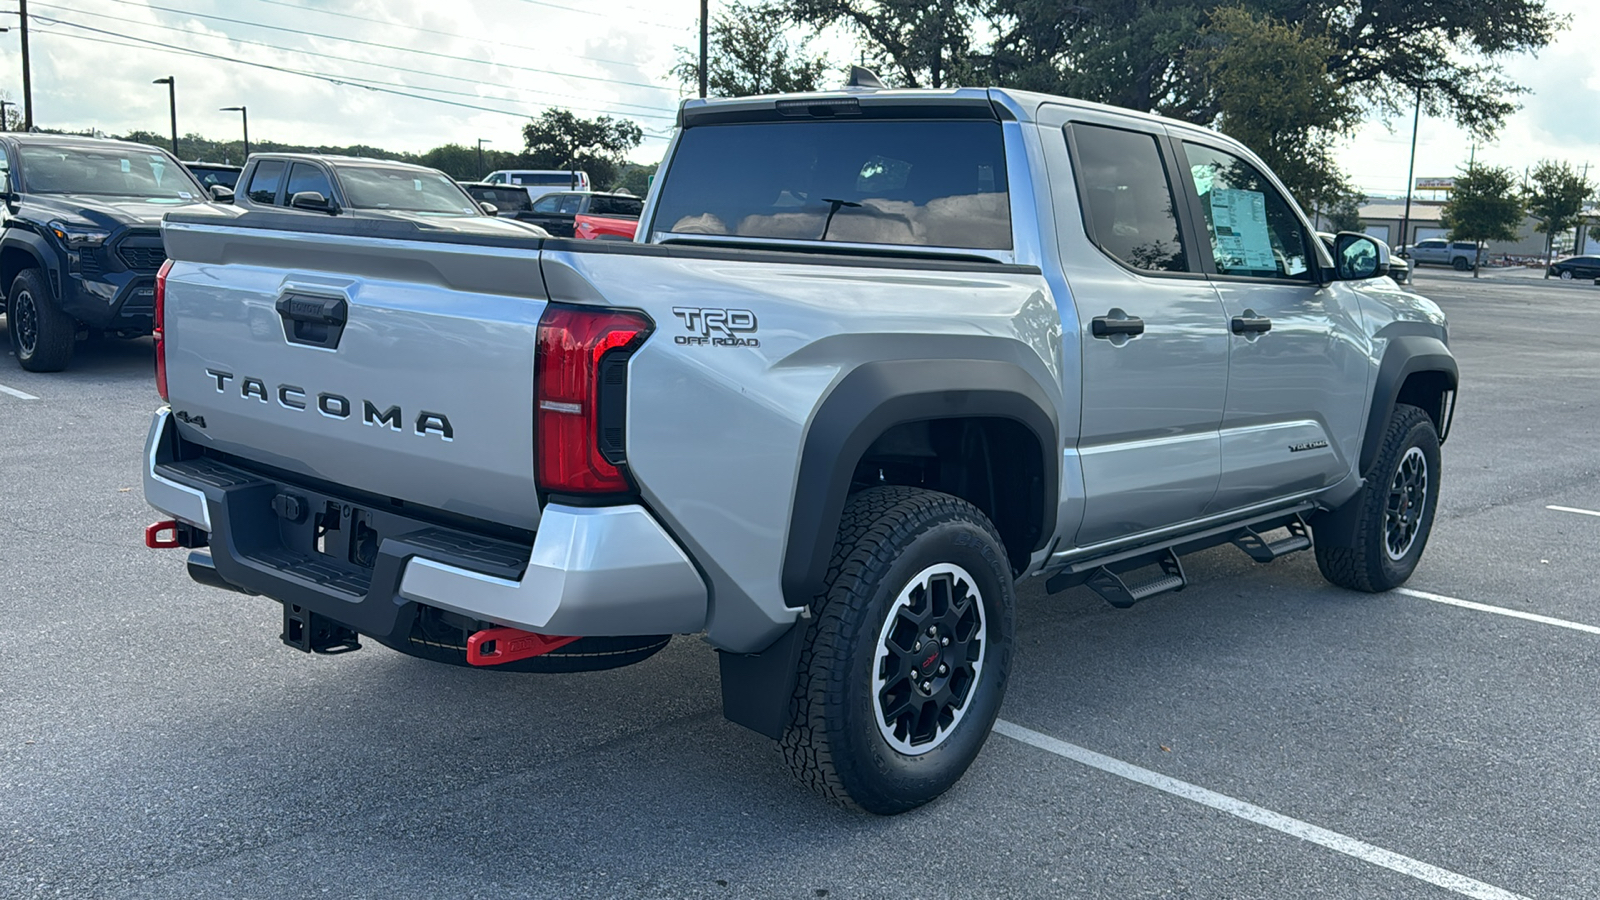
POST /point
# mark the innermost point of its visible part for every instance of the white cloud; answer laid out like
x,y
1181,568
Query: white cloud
x,y
1558,119
521,56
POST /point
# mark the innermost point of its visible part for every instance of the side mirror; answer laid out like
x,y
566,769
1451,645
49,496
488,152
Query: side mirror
x,y
489,209
314,201
1358,256
221,193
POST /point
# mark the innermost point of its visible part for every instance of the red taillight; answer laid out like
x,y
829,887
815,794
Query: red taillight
x,y
156,331
571,440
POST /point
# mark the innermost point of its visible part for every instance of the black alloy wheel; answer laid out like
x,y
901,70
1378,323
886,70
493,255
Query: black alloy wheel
x,y
1408,502
930,654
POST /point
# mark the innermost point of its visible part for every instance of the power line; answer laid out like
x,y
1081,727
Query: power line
x,y
594,12
333,79
448,34
398,49
659,111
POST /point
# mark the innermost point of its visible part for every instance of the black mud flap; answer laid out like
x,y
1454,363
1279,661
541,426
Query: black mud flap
x,y
758,687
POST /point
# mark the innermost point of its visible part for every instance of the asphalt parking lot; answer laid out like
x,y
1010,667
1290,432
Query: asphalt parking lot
x,y
1261,734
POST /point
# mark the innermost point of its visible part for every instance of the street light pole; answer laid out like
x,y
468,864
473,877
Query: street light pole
x,y
244,115
481,142
172,99
704,30
27,73
1411,172
3,119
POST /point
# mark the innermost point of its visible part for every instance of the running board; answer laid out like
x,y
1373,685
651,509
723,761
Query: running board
x,y
1261,550
1113,589
1104,574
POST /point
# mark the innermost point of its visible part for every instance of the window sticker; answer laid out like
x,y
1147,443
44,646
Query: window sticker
x,y
1240,220
416,184
126,166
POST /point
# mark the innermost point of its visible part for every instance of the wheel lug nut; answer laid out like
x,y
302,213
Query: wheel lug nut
x,y
927,686
943,669
944,642
915,675
933,631
916,647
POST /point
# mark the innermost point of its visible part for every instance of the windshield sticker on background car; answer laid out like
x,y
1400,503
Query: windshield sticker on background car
x,y
1240,218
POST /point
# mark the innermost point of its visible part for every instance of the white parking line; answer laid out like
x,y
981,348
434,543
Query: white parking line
x,y
1574,509
1405,865
20,395
1498,610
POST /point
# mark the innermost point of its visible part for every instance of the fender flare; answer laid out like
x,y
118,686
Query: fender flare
x,y
877,396
43,257
1406,355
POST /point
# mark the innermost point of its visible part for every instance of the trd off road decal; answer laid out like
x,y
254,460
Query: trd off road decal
x,y
716,327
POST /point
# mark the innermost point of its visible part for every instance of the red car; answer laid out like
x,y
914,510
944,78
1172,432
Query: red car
x,y
586,214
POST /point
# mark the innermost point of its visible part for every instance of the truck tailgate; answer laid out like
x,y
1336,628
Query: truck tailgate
x,y
386,366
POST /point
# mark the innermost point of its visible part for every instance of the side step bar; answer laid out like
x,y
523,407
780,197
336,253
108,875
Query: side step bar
x,y
1117,592
1106,575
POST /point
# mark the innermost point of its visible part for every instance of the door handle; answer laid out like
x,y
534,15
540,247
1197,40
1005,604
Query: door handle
x,y
1122,323
1250,323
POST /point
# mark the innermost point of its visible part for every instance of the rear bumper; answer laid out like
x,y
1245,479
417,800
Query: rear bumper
x,y
588,572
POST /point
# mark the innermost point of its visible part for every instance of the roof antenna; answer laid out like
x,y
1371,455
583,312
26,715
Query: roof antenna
x,y
864,78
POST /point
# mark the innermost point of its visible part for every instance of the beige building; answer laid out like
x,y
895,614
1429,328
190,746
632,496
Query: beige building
x,y
1382,219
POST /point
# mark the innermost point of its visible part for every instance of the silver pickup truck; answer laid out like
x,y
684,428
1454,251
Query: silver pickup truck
x,y
874,357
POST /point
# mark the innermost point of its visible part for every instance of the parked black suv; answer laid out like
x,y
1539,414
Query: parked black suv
x,y
80,242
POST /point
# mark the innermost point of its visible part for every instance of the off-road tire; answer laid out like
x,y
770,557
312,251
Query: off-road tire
x,y
42,335
1371,565
888,538
592,654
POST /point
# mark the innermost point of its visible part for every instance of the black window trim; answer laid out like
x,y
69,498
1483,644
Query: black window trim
x,y
1186,230
1319,274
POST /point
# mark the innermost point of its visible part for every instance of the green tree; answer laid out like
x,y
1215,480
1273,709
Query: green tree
x,y
1272,91
1485,205
1344,214
749,52
461,162
635,179
560,140
912,43
1555,195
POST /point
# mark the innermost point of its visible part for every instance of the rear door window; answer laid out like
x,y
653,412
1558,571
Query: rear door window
x,y
264,181
1127,201
548,204
867,181
571,204
307,177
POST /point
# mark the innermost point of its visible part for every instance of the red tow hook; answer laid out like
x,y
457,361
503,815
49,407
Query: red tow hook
x,y
154,540
493,646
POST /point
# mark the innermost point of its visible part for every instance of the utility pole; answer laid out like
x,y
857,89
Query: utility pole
x,y
3,120
172,99
1578,241
27,73
481,142
1411,171
704,46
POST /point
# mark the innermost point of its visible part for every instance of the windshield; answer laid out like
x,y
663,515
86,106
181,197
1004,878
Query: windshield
x,y
107,171
919,183
404,190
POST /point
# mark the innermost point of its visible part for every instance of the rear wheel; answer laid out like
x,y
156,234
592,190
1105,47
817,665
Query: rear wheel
x,y
1460,264
1396,509
42,335
1566,274
907,655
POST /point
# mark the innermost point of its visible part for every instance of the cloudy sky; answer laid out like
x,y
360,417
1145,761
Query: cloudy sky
x,y
485,65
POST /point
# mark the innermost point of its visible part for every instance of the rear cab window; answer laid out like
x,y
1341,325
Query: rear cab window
x,y
616,207
934,183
